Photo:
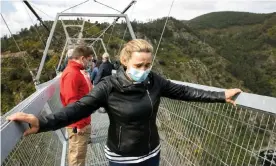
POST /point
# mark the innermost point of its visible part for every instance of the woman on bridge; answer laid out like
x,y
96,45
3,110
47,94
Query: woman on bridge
x,y
131,98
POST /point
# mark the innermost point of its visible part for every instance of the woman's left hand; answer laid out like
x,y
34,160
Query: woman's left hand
x,y
229,93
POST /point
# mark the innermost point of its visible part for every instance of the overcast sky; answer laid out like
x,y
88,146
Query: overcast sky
x,y
18,16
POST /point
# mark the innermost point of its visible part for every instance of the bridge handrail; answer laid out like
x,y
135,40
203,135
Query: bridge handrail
x,y
11,132
264,103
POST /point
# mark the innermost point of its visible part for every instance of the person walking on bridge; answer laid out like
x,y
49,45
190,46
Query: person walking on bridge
x,y
131,98
74,84
105,69
95,71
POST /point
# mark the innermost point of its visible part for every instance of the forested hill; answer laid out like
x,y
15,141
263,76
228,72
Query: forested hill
x,y
228,19
247,41
223,49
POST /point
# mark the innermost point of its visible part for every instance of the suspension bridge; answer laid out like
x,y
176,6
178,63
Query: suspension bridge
x,y
191,133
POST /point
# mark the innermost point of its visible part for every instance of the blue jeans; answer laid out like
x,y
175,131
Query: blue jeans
x,y
154,161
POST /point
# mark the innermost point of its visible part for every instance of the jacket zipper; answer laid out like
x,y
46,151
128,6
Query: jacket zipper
x,y
119,144
149,119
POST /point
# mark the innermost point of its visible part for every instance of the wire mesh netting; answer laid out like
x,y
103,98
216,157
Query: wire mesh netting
x,y
42,149
95,152
215,134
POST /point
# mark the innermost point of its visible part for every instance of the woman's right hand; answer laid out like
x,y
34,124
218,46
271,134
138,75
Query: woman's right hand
x,y
28,118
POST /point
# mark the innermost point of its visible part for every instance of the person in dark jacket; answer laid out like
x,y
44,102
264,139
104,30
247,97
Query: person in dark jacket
x,y
105,69
131,98
95,71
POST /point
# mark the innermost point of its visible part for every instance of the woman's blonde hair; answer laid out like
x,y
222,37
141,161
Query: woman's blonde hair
x,y
136,45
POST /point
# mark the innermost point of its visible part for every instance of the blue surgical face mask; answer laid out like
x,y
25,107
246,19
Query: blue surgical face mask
x,y
138,75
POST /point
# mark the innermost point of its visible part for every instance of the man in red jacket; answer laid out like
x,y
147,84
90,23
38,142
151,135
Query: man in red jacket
x,y
73,86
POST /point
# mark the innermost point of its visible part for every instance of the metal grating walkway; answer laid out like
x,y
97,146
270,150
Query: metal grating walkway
x,y
95,153
95,150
